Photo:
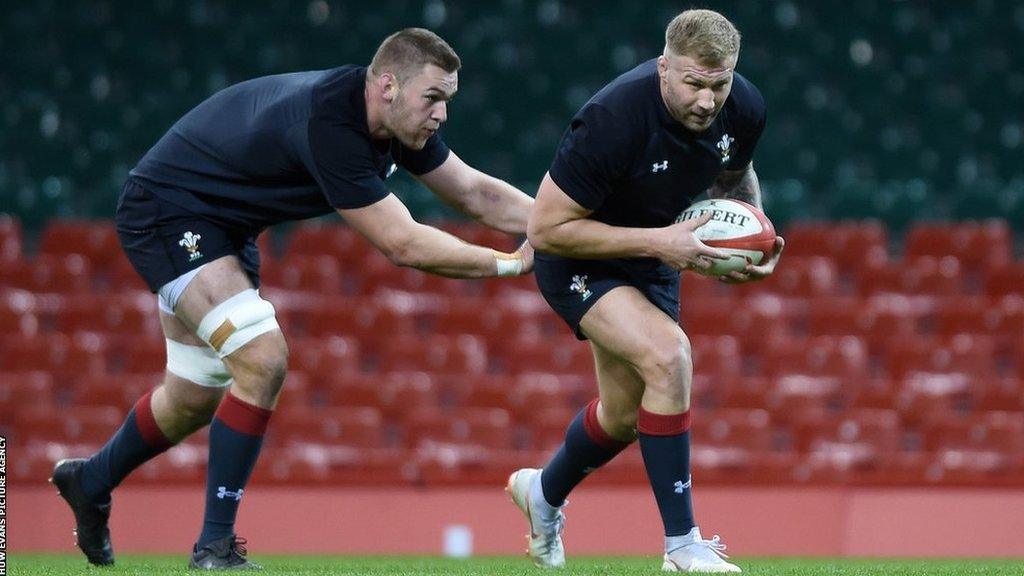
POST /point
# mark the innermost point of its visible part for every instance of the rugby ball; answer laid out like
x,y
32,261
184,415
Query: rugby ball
x,y
735,227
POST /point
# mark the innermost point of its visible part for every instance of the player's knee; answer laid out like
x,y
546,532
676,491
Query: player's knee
x,y
666,361
236,322
260,367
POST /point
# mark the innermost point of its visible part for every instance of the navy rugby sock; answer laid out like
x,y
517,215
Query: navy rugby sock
x,y
236,435
137,440
665,445
587,447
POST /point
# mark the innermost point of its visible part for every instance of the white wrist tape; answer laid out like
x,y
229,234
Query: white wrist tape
x,y
509,264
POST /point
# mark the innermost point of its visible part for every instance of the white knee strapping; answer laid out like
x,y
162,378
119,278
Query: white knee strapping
x,y
199,364
237,321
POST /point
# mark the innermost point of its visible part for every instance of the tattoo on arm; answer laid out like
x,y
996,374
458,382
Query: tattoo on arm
x,y
738,185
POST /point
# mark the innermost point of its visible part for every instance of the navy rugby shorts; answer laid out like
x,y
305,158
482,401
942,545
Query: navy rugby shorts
x,y
572,286
164,241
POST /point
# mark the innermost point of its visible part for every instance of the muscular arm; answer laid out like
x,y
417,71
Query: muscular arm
x,y
389,226
559,225
738,185
486,199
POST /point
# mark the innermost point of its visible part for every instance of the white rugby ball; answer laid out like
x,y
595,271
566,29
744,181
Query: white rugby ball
x,y
735,227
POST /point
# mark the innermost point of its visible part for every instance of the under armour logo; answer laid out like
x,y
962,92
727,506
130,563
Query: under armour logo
x,y
223,492
659,166
680,485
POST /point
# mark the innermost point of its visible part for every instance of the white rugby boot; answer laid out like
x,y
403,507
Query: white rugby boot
x,y
546,521
691,553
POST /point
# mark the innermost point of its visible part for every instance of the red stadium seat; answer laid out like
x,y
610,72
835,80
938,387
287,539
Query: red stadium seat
x,y
325,357
61,274
799,277
845,356
978,245
121,391
83,425
533,393
21,389
1006,280
563,355
716,356
743,392
10,239
96,240
850,244
316,274
60,354
796,392
395,394
694,286
924,394
928,275
385,277
475,233
1001,432
361,427
875,392
139,355
488,392
460,354
360,318
973,355
822,430
747,429
18,314
132,315
340,242
486,427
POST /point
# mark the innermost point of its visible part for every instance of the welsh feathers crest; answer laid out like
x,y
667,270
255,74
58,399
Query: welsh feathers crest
x,y
190,242
579,286
725,147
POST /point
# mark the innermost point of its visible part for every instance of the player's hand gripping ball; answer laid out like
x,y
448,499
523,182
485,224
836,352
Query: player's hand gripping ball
x,y
735,227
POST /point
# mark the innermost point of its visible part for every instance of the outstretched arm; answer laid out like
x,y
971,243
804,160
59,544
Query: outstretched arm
x,y
739,185
486,199
389,226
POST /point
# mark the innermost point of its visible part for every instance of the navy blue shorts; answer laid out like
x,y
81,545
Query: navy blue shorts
x,y
164,241
572,286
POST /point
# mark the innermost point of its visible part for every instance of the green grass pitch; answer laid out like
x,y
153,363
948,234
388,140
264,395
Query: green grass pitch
x,y
60,565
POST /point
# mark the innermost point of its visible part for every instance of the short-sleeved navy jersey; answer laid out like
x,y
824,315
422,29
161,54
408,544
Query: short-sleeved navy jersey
x,y
276,148
626,158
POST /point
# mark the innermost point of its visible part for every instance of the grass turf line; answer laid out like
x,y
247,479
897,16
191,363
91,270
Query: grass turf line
x,y
68,564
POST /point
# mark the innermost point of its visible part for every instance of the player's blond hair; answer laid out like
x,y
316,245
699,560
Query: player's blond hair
x,y
407,51
704,35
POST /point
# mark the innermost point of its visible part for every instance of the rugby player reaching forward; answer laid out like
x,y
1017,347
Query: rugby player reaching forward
x,y
277,148
609,256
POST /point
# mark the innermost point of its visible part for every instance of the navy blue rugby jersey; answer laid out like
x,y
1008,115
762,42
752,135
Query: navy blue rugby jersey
x,y
277,148
626,158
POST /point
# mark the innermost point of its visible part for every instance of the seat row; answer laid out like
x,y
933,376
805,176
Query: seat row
x,y
353,446
339,357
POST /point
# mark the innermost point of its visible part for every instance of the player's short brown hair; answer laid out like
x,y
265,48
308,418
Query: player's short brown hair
x,y
704,35
407,51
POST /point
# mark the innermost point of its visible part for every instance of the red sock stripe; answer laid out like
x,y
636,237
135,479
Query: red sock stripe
x,y
596,432
146,424
243,417
662,424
